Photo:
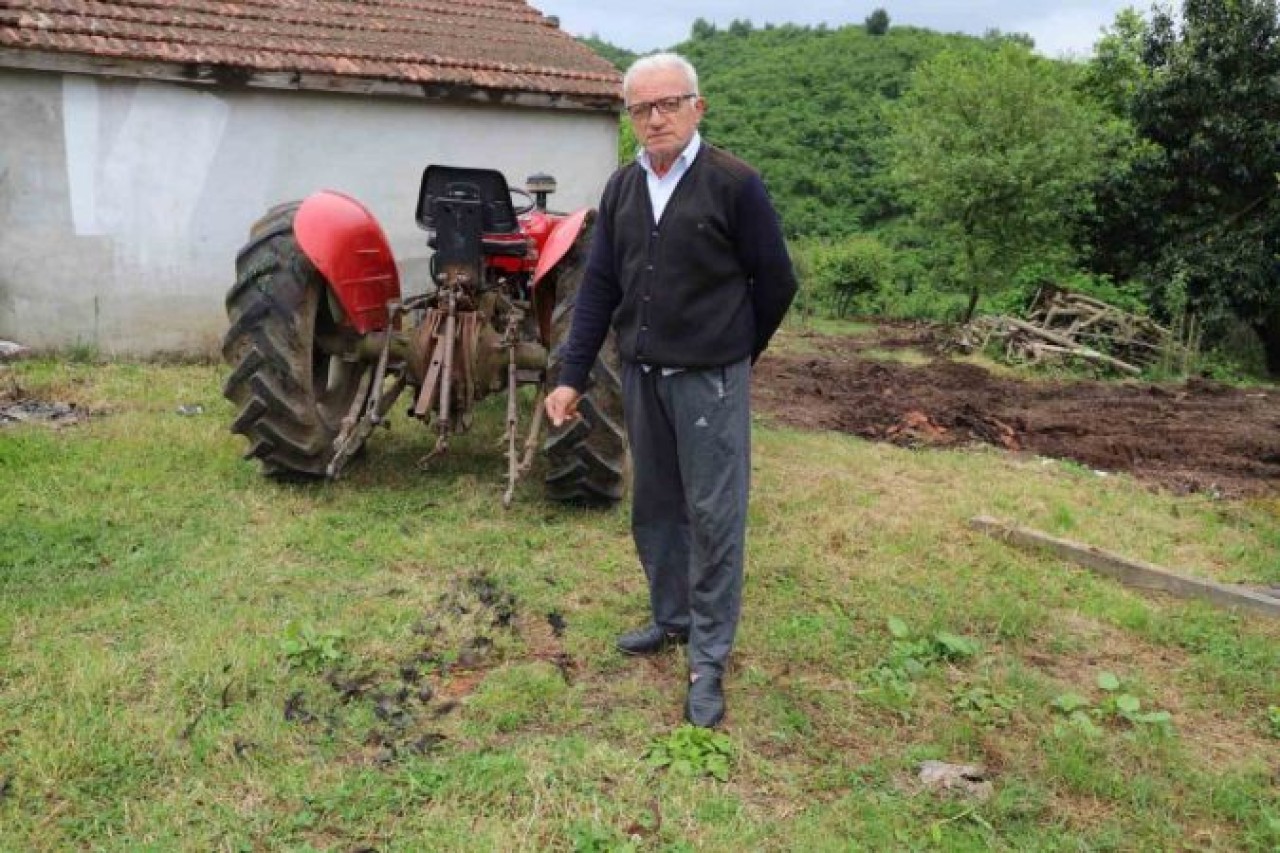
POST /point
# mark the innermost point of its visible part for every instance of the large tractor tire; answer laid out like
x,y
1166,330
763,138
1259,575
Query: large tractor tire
x,y
586,458
290,396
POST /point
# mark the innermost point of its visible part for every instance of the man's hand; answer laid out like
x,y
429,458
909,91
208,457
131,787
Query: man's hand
x,y
562,405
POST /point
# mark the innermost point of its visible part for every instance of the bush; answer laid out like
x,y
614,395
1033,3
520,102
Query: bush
x,y
845,277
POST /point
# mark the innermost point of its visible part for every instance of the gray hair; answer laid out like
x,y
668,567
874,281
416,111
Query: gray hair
x,y
661,62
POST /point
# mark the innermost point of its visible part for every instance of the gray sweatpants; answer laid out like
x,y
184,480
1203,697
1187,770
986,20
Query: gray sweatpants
x,y
690,435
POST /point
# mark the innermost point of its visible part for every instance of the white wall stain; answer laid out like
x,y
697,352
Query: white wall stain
x,y
154,172
80,123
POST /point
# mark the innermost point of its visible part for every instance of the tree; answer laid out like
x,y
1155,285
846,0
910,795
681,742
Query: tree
x,y
877,23
1211,104
619,56
1124,226
702,30
996,152
1117,71
995,35
848,272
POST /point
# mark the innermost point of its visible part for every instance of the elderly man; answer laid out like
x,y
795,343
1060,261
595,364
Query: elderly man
x,y
689,265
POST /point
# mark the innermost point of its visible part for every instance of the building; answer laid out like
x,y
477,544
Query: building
x,y
139,140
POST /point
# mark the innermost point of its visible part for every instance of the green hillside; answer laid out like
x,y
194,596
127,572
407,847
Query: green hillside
x,y
804,105
929,174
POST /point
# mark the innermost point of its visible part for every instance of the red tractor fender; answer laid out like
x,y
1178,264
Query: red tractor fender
x,y
563,235
347,245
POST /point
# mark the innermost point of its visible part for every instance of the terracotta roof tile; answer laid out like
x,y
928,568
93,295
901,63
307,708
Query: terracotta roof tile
x,y
503,45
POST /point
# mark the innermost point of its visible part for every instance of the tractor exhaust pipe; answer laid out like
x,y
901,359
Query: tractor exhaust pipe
x,y
540,185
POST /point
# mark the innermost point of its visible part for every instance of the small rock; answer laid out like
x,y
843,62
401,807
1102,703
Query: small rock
x,y
557,623
9,351
389,712
965,779
426,743
189,410
295,709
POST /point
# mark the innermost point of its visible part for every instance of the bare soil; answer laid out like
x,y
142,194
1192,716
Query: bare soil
x,y
1197,436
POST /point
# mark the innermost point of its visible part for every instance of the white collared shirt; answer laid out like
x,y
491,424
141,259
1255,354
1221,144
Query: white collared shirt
x,y
661,188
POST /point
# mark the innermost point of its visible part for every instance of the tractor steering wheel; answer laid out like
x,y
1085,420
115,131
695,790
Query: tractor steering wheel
x,y
522,202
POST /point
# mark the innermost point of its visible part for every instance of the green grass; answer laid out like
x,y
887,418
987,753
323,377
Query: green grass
x,y
802,334
169,621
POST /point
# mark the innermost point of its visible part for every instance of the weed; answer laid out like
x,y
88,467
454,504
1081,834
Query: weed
x,y
1116,704
82,352
693,751
1273,721
588,837
306,648
983,705
891,680
913,653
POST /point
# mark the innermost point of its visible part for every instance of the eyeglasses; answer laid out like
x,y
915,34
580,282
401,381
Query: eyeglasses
x,y
664,106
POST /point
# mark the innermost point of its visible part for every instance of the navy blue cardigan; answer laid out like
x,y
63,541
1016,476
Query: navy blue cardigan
x,y
706,285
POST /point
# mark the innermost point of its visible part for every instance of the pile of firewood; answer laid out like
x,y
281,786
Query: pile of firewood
x,y
1062,326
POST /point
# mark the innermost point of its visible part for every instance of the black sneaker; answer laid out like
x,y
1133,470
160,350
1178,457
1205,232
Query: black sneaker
x,y
650,640
704,705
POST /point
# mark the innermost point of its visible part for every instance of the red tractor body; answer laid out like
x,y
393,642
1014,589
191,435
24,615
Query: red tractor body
x,y
322,340
347,245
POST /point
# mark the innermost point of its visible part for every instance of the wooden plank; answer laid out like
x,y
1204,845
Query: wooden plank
x,y
1063,340
1131,572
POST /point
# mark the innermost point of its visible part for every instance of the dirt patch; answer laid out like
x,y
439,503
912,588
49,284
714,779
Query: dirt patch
x,y
1196,436
39,411
19,407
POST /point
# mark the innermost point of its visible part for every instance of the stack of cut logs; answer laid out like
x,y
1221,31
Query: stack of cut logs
x,y
1062,326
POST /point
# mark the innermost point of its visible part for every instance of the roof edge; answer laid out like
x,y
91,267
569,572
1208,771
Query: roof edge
x,y
206,74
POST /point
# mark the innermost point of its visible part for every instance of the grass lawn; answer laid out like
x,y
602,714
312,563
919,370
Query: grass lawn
x,y
195,658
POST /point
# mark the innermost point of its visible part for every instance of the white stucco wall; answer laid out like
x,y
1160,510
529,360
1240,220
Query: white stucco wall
x,y
122,202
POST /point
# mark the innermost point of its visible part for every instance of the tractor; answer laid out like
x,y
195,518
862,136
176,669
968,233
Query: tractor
x,y
322,342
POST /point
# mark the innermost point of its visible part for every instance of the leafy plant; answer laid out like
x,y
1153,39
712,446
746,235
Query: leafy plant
x,y
893,687
984,706
1126,706
591,838
693,751
306,648
915,653
890,680
1117,704
1077,710
1273,721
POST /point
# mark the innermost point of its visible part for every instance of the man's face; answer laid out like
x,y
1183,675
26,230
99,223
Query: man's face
x,y
664,136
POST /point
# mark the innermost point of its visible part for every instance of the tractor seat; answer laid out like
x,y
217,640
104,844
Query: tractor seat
x,y
499,226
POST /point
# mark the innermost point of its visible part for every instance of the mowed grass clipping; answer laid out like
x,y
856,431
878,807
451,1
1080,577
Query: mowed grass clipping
x,y
195,658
